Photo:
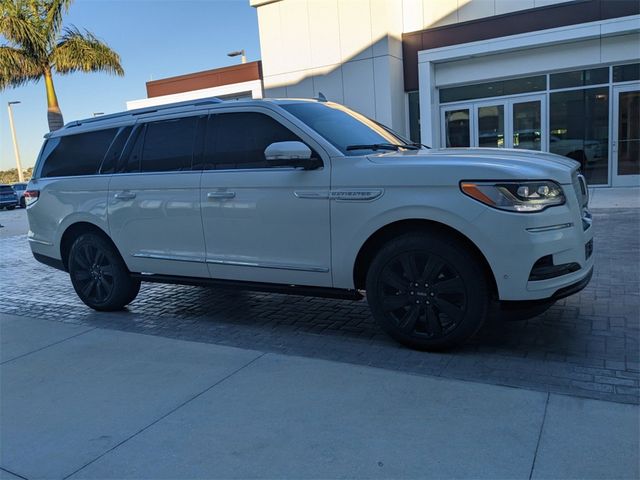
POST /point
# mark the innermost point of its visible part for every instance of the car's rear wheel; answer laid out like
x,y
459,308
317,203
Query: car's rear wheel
x,y
427,291
99,275
23,203
12,207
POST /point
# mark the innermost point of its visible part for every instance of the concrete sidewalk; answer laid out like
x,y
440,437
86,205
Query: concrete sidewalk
x,y
82,402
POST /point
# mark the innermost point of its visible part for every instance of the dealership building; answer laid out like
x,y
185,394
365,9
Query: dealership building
x,y
551,75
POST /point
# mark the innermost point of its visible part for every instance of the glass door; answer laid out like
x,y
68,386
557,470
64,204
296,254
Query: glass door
x,y
625,145
490,124
518,122
528,123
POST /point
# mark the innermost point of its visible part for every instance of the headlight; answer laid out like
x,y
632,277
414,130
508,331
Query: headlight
x,y
515,196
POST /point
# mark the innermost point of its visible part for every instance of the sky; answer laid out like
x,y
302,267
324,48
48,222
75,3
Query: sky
x,y
155,39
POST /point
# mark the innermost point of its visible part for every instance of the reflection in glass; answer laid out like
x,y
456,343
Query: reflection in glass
x,y
457,128
527,125
629,133
579,129
491,126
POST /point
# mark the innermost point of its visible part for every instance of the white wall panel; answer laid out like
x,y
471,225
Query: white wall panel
x,y
412,15
355,29
544,3
329,82
622,48
295,34
359,91
386,27
476,9
324,32
271,46
557,57
302,88
506,6
440,12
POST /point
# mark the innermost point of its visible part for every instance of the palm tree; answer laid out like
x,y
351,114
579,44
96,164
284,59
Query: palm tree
x,y
38,46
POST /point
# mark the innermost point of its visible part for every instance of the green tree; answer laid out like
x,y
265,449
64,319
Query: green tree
x,y
37,46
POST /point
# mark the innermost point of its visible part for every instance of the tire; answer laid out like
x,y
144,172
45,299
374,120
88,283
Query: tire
x,y
427,291
99,275
12,207
519,311
23,203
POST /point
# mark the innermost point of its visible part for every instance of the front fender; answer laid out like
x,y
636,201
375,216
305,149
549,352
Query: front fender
x,y
353,223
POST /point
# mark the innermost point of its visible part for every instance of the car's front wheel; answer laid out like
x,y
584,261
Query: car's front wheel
x,y
427,291
99,275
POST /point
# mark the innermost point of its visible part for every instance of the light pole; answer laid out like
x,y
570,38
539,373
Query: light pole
x,y
15,141
241,53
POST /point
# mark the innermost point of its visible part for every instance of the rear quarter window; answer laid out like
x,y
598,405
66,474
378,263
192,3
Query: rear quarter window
x,y
73,155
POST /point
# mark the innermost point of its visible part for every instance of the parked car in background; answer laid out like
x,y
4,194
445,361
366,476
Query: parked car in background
x,y
20,189
309,197
8,197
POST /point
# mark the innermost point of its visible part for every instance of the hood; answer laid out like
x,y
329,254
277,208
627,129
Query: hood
x,y
487,163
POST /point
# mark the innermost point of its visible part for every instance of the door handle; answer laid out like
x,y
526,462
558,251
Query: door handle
x,y
218,195
125,196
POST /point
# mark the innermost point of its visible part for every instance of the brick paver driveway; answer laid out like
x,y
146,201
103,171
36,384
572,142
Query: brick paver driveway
x,y
585,345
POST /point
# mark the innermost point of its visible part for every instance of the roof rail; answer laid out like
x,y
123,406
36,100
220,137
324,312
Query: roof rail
x,y
141,111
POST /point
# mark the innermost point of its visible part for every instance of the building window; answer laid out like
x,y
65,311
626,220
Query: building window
x,y
414,116
579,129
494,89
579,78
626,73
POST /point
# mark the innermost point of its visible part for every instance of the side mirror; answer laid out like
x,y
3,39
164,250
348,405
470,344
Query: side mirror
x,y
291,154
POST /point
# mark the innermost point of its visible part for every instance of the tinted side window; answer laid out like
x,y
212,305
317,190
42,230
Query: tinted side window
x,y
79,154
115,150
238,140
168,145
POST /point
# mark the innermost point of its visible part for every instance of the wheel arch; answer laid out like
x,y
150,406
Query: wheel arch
x,y
392,230
73,231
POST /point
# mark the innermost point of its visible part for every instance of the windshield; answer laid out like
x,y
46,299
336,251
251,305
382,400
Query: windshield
x,y
345,128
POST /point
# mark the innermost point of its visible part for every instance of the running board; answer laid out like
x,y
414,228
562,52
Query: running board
x,y
323,292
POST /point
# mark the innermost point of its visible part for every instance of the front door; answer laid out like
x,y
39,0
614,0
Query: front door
x,y
262,223
154,200
626,135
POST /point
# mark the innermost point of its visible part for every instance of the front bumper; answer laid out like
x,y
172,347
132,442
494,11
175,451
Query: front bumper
x,y
514,242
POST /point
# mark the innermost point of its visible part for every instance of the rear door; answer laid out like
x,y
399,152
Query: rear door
x,y
154,204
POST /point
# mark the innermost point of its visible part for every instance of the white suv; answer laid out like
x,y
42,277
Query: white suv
x,y
309,197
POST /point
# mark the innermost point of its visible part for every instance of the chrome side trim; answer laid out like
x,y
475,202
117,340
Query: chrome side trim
x,y
277,266
312,194
176,258
351,195
40,242
549,228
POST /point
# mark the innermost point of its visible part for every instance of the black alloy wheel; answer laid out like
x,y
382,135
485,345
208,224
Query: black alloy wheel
x,y
427,292
99,275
